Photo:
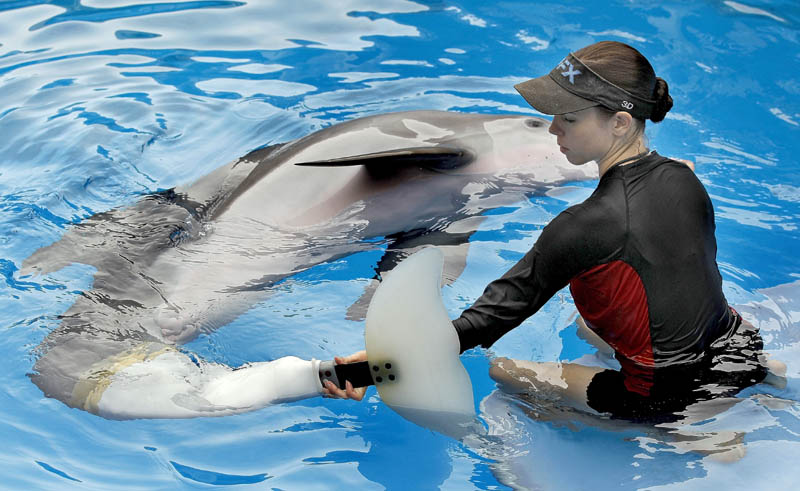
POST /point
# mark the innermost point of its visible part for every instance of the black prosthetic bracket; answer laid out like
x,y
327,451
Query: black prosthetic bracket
x,y
360,374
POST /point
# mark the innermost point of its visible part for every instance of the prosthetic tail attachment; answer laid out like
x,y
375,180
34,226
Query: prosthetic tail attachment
x,y
357,373
413,350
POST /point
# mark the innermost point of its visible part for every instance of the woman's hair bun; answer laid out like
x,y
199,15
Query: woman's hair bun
x,y
663,100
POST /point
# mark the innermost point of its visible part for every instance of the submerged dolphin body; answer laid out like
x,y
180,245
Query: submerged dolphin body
x,y
192,259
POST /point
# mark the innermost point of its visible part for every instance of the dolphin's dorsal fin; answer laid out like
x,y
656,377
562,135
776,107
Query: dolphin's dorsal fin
x,y
439,157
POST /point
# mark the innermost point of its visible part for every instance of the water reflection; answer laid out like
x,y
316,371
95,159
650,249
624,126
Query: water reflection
x,y
104,100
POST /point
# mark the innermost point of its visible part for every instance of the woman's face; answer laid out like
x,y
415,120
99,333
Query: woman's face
x,y
584,136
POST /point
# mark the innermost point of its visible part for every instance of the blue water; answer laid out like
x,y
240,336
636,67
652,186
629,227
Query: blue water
x,y
102,102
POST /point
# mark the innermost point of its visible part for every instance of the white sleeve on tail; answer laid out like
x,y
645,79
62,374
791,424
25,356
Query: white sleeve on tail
x,y
173,385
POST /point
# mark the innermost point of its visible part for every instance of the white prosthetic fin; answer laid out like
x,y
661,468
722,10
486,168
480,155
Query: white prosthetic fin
x,y
413,349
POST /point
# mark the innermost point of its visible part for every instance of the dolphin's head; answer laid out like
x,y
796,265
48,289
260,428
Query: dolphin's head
x,y
497,144
493,143
516,144
354,160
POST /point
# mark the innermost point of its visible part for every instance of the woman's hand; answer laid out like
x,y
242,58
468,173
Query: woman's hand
x,y
329,389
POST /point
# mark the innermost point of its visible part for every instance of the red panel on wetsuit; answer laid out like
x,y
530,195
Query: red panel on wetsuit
x,y
613,302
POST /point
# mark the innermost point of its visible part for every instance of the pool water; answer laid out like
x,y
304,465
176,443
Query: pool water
x,y
104,101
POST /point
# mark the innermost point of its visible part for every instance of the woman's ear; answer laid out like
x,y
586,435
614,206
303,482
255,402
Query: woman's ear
x,y
623,122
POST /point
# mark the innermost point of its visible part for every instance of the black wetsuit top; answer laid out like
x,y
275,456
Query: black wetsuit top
x,y
640,258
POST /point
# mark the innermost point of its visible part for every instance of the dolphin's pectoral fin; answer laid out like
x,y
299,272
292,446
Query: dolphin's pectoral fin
x,y
164,219
440,157
453,245
51,258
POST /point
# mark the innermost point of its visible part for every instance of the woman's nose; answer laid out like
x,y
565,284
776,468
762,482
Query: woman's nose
x,y
554,129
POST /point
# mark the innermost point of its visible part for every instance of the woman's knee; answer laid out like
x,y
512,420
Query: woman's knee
x,y
524,375
504,372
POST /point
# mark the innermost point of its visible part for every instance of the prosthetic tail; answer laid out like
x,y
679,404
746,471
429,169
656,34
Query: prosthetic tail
x,y
412,359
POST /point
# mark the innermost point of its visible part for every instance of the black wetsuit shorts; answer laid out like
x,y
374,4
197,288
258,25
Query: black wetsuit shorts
x,y
731,364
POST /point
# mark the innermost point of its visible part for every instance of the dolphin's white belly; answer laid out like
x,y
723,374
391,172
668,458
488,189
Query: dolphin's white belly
x,y
209,282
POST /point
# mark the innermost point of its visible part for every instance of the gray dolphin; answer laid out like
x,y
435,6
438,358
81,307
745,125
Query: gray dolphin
x,y
192,259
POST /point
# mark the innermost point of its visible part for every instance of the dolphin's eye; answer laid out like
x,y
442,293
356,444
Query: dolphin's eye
x,y
533,123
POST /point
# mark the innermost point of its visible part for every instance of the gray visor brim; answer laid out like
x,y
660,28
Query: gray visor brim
x,y
547,97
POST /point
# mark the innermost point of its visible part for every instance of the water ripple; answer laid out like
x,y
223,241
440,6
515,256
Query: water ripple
x,y
57,472
75,11
104,101
216,478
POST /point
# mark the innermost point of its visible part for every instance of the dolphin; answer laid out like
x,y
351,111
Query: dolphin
x,y
191,259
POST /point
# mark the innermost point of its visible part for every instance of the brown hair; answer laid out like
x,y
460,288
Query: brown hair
x,y
628,69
